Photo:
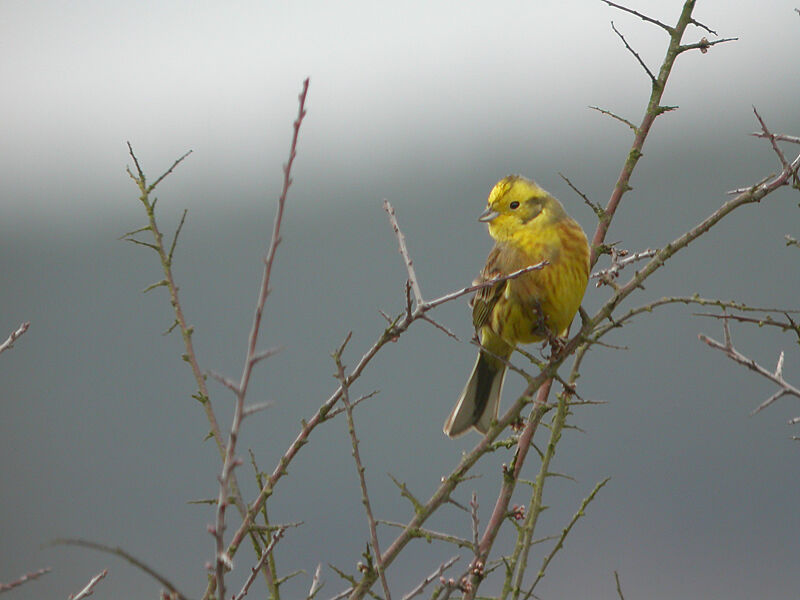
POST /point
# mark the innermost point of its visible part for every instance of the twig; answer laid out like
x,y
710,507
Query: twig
x,y
619,260
125,555
704,44
596,208
373,530
316,583
4,587
187,331
223,557
429,534
412,276
635,54
771,138
435,575
260,564
619,586
654,109
778,137
9,343
776,377
608,113
89,588
519,558
473,511
664,26
564,532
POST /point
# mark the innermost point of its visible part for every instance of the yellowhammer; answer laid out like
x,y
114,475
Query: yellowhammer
x,y
529,226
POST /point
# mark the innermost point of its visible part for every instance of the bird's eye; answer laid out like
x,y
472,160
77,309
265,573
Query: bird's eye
x,y
514,205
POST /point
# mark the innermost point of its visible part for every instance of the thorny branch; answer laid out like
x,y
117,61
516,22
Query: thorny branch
x,y
373,530
776,377
223,558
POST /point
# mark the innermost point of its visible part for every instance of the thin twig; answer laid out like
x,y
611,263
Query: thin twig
x,y
265,554
619,260
412,276
373,530
429,534
619,586
664,26
776,377
4,587
316,583
635,54
223,557
89,588
473,511
435,575
778,137
125,555
771,138
596,208
608,113
9,343
564,532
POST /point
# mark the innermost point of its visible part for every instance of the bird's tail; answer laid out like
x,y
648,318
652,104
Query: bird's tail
x,y
478,404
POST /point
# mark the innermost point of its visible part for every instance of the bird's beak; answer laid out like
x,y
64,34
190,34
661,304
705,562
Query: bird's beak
x,y
488,215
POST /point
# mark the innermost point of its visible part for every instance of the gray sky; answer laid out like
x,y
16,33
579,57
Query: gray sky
x,y
426,104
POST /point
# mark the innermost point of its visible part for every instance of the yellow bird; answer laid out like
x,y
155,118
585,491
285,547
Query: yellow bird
x,y
529,226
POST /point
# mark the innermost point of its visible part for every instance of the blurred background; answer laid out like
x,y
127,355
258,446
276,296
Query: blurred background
x,y
427,105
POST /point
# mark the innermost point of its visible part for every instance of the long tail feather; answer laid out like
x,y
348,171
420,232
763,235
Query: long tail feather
x,y
478,403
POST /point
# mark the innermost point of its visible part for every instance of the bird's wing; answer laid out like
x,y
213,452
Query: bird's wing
x,y
485,299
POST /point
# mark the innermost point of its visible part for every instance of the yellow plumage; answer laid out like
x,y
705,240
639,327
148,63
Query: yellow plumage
x,y
529,226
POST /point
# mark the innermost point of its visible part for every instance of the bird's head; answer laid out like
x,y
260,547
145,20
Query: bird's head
x,y
516,202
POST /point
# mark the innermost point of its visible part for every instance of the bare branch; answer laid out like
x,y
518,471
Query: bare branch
x,y
177,233
473,511
412,275
663,26
614,116
430,534
126,556
264,354
564,532
223,555
316,583
619,586
771,138
252,356
778,137
355,403
165,173
9,343
4,587
435,575
89,589
265,554
255,408
373,530
596,208
228,383
636,54
775,377
619,260
704,44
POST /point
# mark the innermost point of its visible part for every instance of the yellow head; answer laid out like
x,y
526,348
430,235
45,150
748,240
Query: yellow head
x,y
515,203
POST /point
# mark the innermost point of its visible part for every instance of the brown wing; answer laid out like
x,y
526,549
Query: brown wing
x,y
485,298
